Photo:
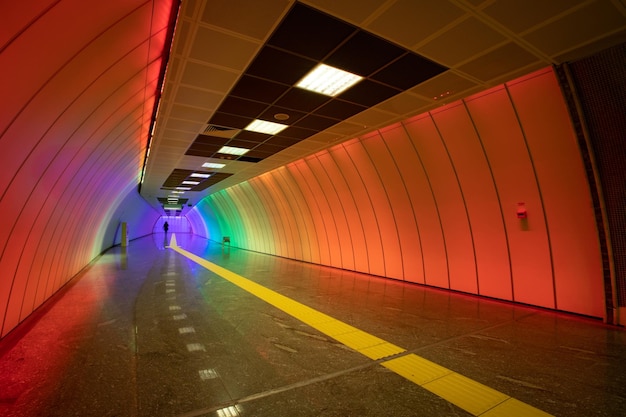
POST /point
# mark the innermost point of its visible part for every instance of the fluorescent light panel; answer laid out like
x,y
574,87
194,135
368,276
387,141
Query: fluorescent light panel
x,y
213,165
328,80
199,175
231,150
190,182
183,188
263,126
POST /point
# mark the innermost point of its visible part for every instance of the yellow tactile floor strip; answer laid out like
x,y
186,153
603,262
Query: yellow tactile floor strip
x,y
465,393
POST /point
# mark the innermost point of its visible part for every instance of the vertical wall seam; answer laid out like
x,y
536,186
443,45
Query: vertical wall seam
x,y
330,154
335,215
543,207
295,189
269,184
393,214
332,216
408,196
369,198
294,211
495,187
432,192
270,209
458,183
319,210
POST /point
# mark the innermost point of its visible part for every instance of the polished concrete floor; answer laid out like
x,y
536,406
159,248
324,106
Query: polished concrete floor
x,y
148,332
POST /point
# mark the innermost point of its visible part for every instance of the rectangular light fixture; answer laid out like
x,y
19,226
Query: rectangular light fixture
x,y
183,188
213,165
199,175
328,80
231,150
263,126
172,206
177,192
190,182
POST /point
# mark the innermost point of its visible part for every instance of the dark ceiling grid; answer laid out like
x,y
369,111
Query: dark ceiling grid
x,y
303,39
177,177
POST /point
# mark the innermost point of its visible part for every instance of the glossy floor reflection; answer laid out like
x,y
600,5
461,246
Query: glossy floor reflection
x,y
150,333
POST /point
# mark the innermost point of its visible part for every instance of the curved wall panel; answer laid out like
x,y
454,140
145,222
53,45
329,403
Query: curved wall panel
x,y
72,137
434,200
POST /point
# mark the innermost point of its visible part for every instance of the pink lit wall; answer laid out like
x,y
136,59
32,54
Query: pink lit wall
x,y
433,200
78,86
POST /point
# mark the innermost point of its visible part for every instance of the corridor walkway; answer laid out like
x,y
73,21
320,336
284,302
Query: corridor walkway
x,y
150,332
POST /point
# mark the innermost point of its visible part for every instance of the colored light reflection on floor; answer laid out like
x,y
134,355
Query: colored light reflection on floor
x,y
465,393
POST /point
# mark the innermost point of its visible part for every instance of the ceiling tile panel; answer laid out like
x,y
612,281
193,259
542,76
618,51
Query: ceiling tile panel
x,y
271,113
350,11
364,54
210,140
577,28
209,78
408,71
368,93
461,42
338,109
498,62
282,141
249,17
221,49
186,125
252,136
254,88
197,98
310,33
404,103
188,113
230,120
520,15
302,100
409,22
317,123
297,132
269,149
242,107
291,69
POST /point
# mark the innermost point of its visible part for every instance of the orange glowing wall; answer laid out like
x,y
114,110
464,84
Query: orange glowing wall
x,y
434,199
78,86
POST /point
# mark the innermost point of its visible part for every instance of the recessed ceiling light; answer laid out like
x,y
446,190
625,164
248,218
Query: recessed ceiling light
x,y
213,165
263,126
183,188
199,175
231,150
328,80
178,192
190,182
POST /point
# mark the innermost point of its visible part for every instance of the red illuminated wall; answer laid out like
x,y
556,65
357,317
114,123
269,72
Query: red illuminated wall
x,y
433,200
78,88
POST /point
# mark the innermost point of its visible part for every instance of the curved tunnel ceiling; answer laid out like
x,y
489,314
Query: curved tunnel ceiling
x,y
233,62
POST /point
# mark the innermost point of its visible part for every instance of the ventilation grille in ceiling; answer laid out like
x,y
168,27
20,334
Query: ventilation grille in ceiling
x,y
220,131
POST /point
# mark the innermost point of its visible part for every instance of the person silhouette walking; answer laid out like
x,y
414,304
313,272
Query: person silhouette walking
x,y
165,227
